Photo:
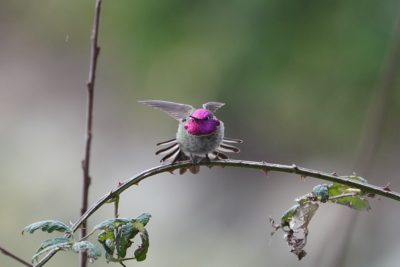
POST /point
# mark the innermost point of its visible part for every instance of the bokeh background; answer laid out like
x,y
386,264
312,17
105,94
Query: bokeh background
x,y
304,82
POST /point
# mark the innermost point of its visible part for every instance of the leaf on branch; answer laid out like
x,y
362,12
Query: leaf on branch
x,y
117,236
53,241
294,222
52,244
288,215
111,223
92,251
355,202
348,196
141,251
48,226
123,239
107,239
143,218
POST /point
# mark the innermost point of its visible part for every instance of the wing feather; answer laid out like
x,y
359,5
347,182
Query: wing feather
x,y
213,106
175,110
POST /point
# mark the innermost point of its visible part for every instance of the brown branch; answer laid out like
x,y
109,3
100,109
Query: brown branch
x,y
263,166
15,257
95,50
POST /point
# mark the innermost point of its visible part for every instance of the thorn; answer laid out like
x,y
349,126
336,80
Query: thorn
x,y
265,171
294,166
120,184
386,187
334,174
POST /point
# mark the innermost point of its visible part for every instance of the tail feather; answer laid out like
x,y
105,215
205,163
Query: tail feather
x,y
232,140
166,142
228,149
170,155
174,154
180,157
166,149
219,155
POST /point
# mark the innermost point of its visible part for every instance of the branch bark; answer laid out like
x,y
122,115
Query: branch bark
x,y
95,50
263,166
15,257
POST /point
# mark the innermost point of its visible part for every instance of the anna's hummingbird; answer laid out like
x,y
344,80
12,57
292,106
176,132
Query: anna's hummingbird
x,y
200,134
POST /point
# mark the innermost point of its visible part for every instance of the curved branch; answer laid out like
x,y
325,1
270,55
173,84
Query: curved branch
x,y
264,166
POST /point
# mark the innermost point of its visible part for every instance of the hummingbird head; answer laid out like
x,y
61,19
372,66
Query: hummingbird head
x,y
201,122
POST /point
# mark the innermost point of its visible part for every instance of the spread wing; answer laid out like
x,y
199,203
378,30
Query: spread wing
x,y
175,110
213,106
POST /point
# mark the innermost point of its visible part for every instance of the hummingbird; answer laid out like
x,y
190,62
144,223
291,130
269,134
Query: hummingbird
x,y
200,134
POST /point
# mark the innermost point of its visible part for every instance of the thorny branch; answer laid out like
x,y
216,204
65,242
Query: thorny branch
x,y
95,50
263,166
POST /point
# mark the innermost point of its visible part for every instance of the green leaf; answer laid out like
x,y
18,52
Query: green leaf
x,y
93,252
53,241
143,218
123,239
355,202
112,223
56,246
288,215
117,236
107,239
48,226
141,251
322,192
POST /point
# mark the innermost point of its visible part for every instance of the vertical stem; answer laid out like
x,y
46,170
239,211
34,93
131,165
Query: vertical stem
x,y
116,204
95,50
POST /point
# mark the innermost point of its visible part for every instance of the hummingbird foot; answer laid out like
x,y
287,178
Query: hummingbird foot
x,y
206,159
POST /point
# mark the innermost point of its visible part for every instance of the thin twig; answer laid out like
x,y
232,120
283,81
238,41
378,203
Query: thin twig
x,y
15,257
116,205
95,50
264,166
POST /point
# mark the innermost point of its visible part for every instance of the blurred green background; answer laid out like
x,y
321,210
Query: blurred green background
x,y
300,80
